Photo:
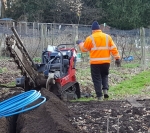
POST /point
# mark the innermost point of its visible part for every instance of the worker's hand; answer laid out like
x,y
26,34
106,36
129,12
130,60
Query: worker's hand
x,y
79,41
118,63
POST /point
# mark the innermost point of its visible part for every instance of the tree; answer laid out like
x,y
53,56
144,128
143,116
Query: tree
x,y
124,14
146,14
64,11
91,10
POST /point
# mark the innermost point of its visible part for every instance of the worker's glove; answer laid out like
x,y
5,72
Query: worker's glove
x,y
79,41
118,63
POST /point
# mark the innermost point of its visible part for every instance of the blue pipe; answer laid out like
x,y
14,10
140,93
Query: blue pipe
x,y
20,103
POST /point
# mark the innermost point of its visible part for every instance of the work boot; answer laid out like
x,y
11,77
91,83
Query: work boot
x,y
105,92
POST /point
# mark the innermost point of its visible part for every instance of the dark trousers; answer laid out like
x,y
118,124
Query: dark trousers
x,y
99,73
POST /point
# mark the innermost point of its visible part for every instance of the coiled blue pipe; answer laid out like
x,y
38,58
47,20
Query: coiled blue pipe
x,y
19,103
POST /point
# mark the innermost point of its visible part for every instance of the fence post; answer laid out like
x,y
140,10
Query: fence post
x,y
76,34
142,38
26,31
52,38
13,24
1,45
42,35
45,35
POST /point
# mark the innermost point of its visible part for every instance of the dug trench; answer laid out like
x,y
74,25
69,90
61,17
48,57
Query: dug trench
x,y
50,117
56,116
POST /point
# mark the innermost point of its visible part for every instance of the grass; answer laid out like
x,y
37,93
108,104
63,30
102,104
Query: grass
x,y
2,70
83,74
131,87
4,58
130,65
37,59
10,84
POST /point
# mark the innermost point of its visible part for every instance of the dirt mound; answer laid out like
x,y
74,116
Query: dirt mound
x,y
50,117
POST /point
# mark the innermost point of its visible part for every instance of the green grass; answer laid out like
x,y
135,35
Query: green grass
x,y
3,70
132,86
113,71
10,84
82,75
37,59
4,58
83,100
130,65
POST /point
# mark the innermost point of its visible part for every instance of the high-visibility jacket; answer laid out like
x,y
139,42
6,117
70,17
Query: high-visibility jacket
x,y
100,47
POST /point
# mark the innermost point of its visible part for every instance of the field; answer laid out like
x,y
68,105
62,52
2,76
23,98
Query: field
x,y
127,110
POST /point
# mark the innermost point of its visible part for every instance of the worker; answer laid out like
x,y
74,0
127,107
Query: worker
x,y
100,47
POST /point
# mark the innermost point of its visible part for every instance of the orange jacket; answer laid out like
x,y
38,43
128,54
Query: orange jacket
x,y
100,46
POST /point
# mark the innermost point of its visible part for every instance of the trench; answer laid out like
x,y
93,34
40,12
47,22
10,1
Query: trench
x,y
50,117
9,124
12,124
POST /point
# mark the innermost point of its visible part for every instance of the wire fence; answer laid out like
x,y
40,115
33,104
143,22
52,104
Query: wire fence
x,y
133,45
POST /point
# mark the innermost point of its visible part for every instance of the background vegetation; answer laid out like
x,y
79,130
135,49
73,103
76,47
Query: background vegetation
x,y
121,14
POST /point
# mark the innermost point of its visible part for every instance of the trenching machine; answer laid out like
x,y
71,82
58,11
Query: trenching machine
x,y
56,72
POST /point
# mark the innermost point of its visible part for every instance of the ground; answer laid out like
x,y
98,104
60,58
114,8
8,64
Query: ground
x,y
56,116
111,116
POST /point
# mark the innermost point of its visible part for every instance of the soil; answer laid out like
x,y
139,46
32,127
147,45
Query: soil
x,y
111,116
55,116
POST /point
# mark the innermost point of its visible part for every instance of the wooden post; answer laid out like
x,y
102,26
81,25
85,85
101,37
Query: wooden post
x,y
52,38
76,34
142,41
42,36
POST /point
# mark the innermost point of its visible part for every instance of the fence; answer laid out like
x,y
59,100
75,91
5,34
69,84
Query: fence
x,y
37,36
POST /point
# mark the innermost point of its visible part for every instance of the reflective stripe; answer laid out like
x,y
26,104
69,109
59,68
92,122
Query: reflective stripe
x,y
93,42
106,40
99,48
98,59
112,47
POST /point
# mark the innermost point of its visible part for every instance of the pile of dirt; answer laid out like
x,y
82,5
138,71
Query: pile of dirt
x,y
50,117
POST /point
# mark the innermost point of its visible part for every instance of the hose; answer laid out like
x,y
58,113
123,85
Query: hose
x,y
21,103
